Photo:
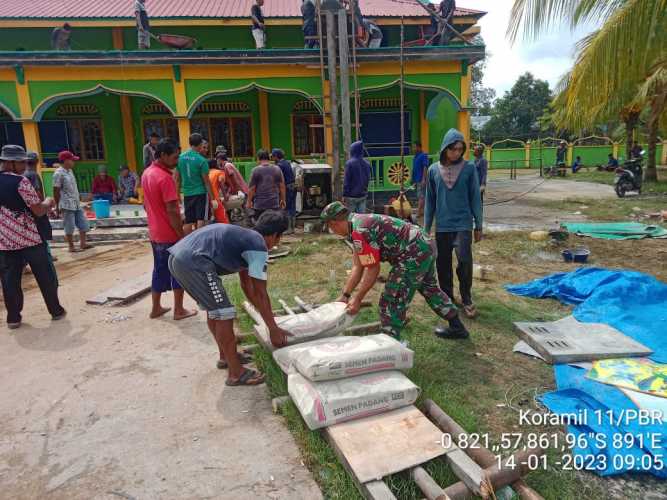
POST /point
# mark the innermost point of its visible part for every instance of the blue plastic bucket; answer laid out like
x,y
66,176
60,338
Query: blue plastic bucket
x,y
102,209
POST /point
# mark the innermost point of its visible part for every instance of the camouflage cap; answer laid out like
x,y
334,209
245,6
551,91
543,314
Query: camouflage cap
x,y
332,211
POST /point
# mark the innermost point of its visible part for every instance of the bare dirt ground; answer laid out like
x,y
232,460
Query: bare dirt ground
x,y
109,404
508,202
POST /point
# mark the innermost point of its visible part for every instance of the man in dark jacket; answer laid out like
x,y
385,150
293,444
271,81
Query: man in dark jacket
x,y
482,167
290,186
453,203
357,177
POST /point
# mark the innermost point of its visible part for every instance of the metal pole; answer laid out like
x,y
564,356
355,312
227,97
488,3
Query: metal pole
x,y
401,196
321,39
333,91
344,82
357,104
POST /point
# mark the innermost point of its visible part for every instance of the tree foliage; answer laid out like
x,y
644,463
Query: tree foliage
x,y
517,114
620,68
481,97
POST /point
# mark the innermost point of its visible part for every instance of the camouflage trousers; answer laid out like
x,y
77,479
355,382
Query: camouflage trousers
x,y
414,273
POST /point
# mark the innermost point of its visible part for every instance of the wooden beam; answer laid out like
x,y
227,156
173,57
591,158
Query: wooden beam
x,y
302,304
264,120
117,38
253,313
333,96
343,47
480,455
427,484
128,132
287,308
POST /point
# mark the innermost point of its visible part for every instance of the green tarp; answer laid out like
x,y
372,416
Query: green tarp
x,y
615,230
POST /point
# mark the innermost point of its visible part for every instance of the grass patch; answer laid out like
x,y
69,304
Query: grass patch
x,y
592,175
610,209
471,380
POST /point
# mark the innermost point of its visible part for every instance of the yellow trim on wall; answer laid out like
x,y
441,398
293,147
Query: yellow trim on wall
x,y
265,133
128,132
74,73
466,81
463,124
180,97
87,73
184,133
25,106
424,128
328,129
31,138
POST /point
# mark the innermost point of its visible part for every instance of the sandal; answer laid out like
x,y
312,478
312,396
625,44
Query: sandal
x,y
244,359
470,311
248,377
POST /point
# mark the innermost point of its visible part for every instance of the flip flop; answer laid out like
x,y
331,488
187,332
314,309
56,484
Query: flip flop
x,y
87,247
470,311
248,377
244,358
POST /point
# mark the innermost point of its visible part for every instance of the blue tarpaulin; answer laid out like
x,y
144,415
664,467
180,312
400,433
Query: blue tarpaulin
x,y
635,304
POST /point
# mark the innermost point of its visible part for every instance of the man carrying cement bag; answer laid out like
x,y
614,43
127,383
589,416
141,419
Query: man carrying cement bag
x,y
196,262
325,321
340,357
322,404
380,238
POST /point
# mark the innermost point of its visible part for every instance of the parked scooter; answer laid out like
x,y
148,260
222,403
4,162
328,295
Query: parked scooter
x,y
629,176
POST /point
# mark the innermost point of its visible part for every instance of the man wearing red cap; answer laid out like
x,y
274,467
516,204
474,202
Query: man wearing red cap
x,y
68,203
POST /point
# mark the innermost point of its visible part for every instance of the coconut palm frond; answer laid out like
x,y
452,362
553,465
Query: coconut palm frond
x,y
595,10
532,17
613,61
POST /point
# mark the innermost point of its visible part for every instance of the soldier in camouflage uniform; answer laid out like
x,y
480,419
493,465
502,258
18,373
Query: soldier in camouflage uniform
x,y
380,238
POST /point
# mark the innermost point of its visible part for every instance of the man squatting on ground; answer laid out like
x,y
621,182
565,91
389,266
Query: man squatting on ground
x,y
380,238
220,249
453,202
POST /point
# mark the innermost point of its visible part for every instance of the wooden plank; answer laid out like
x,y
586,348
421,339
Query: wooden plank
x,y
302,304
253,313
377,490
131,289
430,489
287,308
384,444
466,469
99,299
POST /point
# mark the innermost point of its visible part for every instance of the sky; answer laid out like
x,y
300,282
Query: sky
x,y
547,58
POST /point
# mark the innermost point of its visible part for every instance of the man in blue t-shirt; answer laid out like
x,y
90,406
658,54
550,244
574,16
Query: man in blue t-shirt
x,y
198,260
420,164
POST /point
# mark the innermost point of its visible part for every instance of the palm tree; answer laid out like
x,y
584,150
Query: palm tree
x,y
620,68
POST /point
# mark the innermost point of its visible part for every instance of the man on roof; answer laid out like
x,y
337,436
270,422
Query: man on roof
x,y
61,38
258,28
143,25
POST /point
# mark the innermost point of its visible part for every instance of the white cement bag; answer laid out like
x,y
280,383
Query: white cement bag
x,y
325,321
340,357
322,404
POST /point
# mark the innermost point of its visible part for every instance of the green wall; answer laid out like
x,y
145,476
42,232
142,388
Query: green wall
x,y
9,98
281,108
507,158
112,127
446,118
16,39
161,89
208,37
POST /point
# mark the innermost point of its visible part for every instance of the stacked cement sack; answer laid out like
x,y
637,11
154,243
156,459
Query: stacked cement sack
x,y
325,321
344,378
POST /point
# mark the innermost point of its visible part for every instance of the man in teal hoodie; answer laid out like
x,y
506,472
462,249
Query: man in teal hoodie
x,y
453,202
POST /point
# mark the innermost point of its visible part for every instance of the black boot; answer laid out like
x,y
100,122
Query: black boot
x,y
455,330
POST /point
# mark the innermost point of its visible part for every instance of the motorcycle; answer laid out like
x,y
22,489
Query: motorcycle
x,y
629,176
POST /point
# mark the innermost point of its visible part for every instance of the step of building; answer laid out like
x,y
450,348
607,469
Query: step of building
x,y
106,234
140,221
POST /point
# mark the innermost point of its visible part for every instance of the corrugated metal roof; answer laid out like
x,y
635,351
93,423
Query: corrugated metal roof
x,y
99,9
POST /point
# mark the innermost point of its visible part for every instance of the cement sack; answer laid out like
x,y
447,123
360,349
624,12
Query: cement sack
x,y
340,357
325,321
322,404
